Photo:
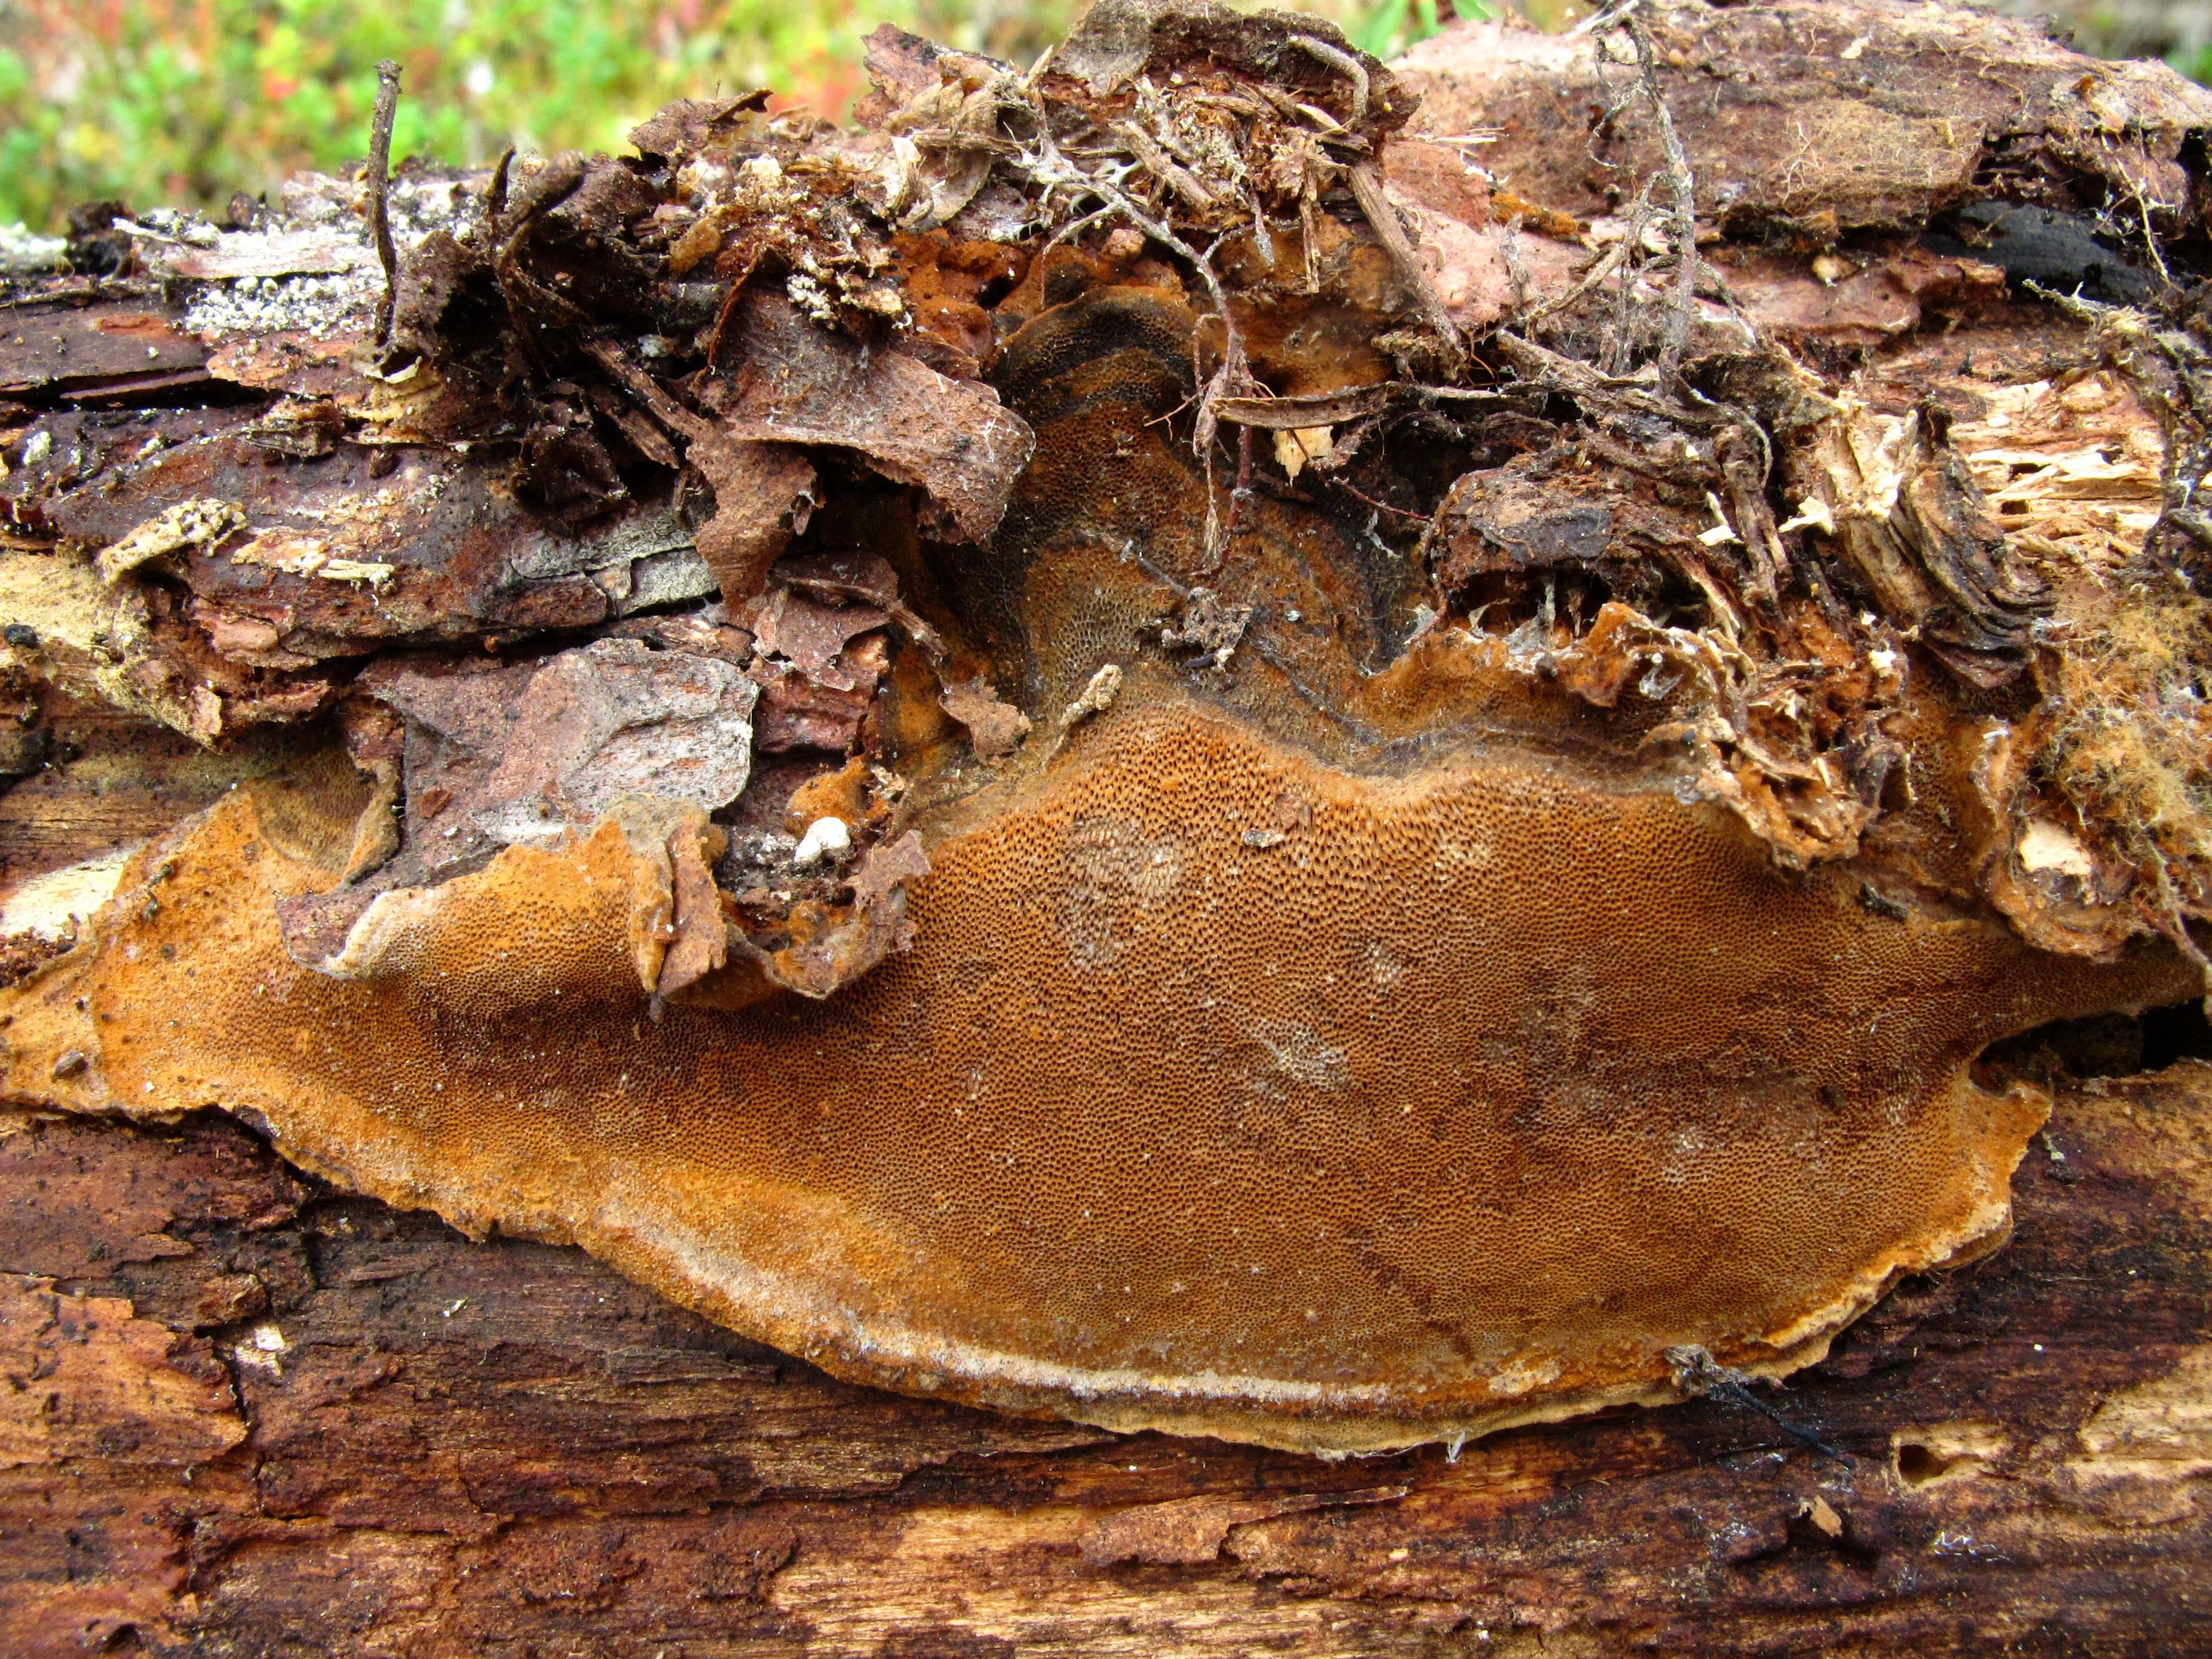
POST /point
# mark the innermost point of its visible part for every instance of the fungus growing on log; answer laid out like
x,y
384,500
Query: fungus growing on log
x,y
1127,744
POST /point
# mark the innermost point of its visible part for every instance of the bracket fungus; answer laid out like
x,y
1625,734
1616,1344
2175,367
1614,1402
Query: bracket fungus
x,y
845,780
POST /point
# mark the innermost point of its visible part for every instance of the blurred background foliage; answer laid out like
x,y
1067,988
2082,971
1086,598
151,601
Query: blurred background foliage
x,y
182,102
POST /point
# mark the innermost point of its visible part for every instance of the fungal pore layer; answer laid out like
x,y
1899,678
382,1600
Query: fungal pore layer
x,y
1104,749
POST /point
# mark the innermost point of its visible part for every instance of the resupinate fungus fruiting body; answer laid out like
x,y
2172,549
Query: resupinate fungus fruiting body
x,y
1213,736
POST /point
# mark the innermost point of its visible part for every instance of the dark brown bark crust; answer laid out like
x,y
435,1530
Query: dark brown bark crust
x,y
246,1415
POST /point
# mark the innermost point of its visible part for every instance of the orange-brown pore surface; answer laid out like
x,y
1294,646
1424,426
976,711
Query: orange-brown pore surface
x,y
1453,1104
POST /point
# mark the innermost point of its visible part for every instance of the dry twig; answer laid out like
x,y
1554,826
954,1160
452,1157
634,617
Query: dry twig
x,y
1390,231
379,189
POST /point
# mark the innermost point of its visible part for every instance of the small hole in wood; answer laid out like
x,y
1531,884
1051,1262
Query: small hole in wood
x,y
1917,1465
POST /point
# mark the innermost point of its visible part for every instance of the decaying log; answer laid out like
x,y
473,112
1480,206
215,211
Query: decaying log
x,y
248,1415
1132,750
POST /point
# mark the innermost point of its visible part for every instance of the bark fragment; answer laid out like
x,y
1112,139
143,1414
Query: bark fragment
x,y
528,756
993,726
1800,144
950,439
761,500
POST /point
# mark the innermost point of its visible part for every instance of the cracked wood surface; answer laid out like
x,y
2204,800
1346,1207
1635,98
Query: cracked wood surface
x,y
245,1414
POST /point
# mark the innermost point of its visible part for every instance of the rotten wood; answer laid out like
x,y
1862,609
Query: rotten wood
x,y
249,1414
755,527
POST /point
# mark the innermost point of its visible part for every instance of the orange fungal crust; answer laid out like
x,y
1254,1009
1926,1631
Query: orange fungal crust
x,y
1452,1108
1090,784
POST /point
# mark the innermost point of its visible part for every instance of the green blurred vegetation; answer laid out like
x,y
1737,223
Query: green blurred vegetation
x,y
2196,65
181,101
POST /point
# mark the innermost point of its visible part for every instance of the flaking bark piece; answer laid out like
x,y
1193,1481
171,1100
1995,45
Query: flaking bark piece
x,y
950,439
901,67
534,754
799,712
995,728
690,125
612,719
1439,178
884,867
866,577
694,936
1866,304
94,352
1546,515
818,655
762,497
1117,41
813,636
337,555
273,253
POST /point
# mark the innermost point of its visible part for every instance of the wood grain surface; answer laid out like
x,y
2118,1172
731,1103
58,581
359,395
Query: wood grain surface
x,y
246,1415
